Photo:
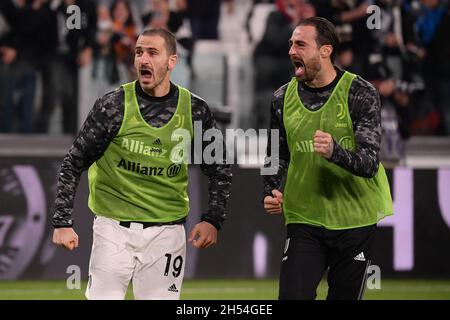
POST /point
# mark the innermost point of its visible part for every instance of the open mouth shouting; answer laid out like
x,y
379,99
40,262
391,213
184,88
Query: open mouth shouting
x,y
299,67
146,74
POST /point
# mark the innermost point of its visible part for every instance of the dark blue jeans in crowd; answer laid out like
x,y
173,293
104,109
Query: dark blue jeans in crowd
x,y
19,77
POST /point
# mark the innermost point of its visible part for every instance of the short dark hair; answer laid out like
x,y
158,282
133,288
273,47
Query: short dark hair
x,y
169,38
325,33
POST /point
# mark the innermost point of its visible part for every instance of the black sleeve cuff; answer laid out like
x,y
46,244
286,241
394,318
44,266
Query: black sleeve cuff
x,y
63,224
217,224
334,154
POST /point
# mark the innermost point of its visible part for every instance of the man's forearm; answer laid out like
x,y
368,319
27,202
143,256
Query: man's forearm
x,y
271,182
88,147
68,181
363,162
220,179
277,154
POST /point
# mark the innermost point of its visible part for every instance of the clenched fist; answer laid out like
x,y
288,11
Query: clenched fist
x,y
273,205
203,235
65,237
323,144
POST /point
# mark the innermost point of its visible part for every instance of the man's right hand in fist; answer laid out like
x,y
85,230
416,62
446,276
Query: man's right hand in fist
x,y
65,237
273,205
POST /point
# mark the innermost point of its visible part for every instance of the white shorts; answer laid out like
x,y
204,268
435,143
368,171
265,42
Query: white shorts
x,y
153,258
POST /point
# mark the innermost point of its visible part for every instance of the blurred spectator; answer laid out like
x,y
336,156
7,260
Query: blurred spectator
x,y
18,60
344,58
161,15
180,25
182,30
395,118
48,43
74,50
125,35
272,66
412,44
250,14
433,27
105,71
327,9
204,17
395,35
350,17
174,19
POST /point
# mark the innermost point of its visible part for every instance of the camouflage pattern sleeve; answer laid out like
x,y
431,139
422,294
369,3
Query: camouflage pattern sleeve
x,y
101,125
271,182
365,111
219,175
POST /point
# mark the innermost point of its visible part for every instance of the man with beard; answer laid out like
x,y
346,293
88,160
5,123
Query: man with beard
x,y
138,180
336,190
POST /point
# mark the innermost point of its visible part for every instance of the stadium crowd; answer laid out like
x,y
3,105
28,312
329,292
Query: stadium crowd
x,y
401,46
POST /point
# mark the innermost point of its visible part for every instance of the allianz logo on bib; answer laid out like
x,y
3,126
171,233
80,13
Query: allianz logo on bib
x,y
139,147
172,171
139,168
304,146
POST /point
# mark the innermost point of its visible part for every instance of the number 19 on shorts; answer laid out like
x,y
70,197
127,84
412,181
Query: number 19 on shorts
x,y
176,265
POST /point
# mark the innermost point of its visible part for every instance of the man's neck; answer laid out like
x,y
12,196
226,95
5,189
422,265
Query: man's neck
x,y
323,78
160,91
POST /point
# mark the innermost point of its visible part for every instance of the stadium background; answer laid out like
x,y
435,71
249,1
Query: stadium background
x,y
411,248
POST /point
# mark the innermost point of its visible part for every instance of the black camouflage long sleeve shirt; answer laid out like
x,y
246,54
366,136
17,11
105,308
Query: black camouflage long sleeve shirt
x,y
365,111
102,125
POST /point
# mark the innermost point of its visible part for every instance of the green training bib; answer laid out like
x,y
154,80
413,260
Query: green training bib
x,y
135,179
317,191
